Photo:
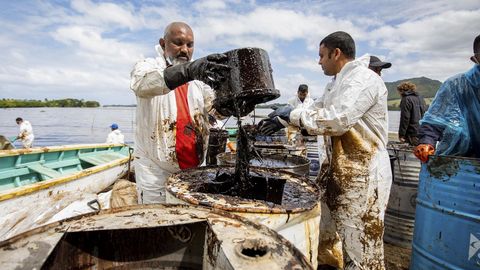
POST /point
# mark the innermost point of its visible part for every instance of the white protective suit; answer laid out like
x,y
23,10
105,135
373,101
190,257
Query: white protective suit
x,y
354,116
26,134
155,134
115,137
297,103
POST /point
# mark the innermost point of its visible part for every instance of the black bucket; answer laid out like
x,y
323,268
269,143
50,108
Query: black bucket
x,y
250,82
217,144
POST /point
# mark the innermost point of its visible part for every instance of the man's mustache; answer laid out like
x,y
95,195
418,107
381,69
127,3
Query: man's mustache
x,y
182,55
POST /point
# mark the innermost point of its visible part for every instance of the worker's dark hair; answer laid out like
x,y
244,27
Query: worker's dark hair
x,y
341,40
406,86
18,119
476,45
303,88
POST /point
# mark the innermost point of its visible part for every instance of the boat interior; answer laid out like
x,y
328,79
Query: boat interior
x,y
31,167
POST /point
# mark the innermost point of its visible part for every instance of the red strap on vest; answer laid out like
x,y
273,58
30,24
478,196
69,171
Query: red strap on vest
x,y
185,144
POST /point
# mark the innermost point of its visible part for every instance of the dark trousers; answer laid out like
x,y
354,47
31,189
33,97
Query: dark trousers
x,y
412,140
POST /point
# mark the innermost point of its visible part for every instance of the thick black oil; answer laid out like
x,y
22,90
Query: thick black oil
x,y
264,188
265,185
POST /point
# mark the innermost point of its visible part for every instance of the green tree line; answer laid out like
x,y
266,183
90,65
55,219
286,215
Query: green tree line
x,y
68,102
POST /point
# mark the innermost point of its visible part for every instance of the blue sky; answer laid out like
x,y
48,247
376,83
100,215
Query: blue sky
x,y
85,49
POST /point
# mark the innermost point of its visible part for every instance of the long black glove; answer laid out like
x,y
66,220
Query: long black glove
x,y
276,120
211,70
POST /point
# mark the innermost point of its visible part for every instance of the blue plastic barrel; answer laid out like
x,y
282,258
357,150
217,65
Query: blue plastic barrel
x,y
447,218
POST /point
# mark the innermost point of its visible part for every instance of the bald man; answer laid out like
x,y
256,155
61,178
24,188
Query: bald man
x,y
174,96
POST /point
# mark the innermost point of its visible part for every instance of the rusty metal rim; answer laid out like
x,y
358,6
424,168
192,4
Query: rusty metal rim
x,y
254,206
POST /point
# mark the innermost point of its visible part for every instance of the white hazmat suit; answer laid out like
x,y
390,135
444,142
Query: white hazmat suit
x,y
26,134
354,116
155,134
115,136
297,103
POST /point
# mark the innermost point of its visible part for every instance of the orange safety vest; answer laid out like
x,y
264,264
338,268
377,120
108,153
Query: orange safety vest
x,y
185,144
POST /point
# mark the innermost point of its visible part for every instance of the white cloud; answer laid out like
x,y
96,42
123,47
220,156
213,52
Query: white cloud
x,y
88,47
209,5
437,46
109,13
288,86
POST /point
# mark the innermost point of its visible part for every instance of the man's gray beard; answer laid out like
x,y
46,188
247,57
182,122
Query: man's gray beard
x,y
175,61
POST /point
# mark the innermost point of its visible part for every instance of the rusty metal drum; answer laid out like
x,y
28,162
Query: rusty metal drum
x,y
291,163
296,216
250,82
152,237
447,221
400,214
217,143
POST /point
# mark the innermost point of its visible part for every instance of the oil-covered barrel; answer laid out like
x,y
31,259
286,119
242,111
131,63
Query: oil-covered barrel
x,y
313,150
250,82
447,218
400,214
291,163
278,144
283,201
217,143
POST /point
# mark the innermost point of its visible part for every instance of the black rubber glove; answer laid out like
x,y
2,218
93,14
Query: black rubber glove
x,y
276,120
211,70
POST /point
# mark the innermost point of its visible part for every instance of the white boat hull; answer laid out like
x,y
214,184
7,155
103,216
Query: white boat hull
x,y
41,201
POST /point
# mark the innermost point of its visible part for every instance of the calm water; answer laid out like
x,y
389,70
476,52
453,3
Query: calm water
x,y
58,126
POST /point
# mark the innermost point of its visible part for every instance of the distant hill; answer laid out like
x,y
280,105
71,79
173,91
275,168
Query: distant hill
x,y
32,103
425,87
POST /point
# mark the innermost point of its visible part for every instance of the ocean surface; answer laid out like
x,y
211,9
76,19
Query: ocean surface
x,y
59,126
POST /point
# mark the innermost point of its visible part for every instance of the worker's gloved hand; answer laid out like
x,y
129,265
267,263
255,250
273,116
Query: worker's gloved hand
x,y
211,70
422,151
276,120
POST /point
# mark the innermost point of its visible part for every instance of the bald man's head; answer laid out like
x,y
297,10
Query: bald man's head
x,y
177,43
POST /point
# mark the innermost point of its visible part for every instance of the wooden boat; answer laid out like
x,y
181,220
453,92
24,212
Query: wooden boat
x,y
39,182
152,236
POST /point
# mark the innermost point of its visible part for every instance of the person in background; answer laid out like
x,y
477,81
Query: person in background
x,y
353,116
174,97
26,133
115,136
377,65
412,108
453,118
302,99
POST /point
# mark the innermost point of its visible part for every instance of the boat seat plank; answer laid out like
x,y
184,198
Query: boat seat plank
x,y
99,159
62,163
14,173
44,170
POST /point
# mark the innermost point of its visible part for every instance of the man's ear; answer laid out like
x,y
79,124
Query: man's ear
x,y
162,43
337,53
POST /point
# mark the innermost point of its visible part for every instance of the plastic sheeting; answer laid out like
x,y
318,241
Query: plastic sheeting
x,y
456,110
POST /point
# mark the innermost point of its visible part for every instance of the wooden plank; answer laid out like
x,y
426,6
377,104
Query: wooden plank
x,y
100,158
44,170
62,163
14,173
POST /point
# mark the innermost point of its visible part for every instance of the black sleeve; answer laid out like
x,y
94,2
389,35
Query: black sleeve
x,y
405,113
429,134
